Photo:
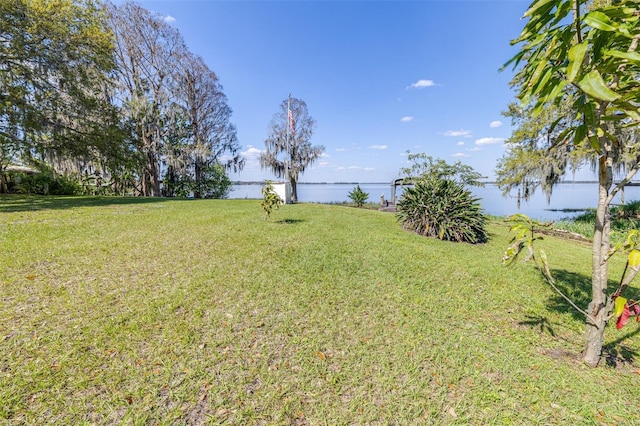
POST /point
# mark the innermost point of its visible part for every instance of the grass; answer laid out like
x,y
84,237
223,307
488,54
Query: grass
x,y
623,218
136,311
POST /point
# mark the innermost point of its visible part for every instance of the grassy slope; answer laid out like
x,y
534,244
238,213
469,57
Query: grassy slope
x,y
130,310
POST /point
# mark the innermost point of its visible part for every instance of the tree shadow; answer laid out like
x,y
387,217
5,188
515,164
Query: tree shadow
x,y
540,322
578,288
617,355
23,203
289,221
544,325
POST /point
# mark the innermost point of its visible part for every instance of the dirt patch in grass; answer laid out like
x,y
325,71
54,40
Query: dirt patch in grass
x,y
559,353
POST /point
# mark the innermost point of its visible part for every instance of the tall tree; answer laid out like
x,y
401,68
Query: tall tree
x,y
55,60
212,138
587,60
289,150
148,52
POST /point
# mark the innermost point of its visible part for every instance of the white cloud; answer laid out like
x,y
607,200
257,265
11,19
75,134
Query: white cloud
x,y
251,152
341,149
474,149
460,154
460,143
366,169
325,155
458,133
169,19
378,147
324,164
495,124
421,84
406,119
489,141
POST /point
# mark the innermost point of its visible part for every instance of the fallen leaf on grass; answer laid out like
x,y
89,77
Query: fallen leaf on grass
x,y
453,413
321,356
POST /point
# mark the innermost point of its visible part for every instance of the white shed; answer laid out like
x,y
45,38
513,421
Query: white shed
x,y
283,189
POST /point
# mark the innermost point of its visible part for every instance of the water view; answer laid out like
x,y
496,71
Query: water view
x,y
566,196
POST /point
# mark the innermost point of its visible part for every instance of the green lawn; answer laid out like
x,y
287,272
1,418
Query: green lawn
x,y
151,311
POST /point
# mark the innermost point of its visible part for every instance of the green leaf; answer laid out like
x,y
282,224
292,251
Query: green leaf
x,y
535,77
600,21
633,114
554,95
634,258
618,306
576,57
535,6
579,135
510,255
632,56
593,85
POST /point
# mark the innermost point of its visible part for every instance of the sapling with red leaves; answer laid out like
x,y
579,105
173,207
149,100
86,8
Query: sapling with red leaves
x,y
527,231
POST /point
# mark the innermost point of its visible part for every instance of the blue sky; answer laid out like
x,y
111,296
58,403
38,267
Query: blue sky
x,y
379,77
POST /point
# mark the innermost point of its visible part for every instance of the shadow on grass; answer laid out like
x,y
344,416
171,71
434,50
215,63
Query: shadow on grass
x,y
540,322
19,203
289,221
617,354
578,288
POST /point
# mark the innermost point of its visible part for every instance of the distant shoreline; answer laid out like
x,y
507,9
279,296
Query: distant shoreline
x,y
261,182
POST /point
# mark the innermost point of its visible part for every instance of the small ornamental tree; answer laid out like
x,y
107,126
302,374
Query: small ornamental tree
x,y
583,56
358,196
525,235
271,200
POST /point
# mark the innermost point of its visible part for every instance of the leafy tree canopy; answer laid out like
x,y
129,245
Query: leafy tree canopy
x,y
424,165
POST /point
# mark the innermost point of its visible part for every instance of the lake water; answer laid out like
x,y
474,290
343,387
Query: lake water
x,y
565,196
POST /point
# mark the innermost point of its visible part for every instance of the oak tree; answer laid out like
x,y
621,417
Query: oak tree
x,y
55,62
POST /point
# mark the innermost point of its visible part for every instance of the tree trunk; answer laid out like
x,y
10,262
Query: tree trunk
x,y
3,183
151,179
197,193
294,190
599,307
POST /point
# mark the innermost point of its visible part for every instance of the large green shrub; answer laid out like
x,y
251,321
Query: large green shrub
x,y
46,182
441,208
